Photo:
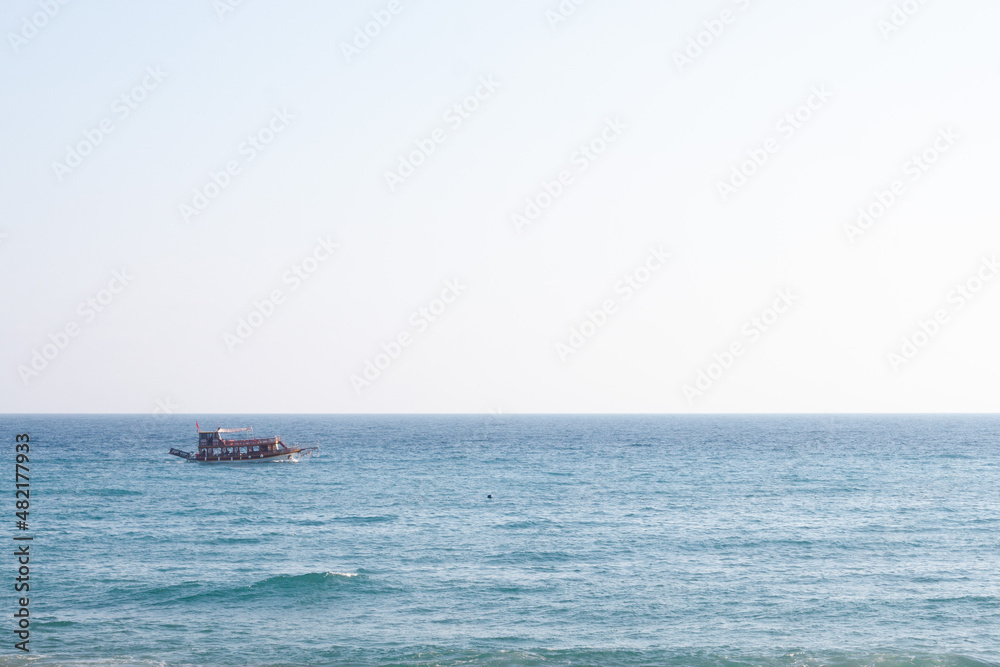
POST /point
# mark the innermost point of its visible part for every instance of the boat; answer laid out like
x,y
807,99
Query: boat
x,y
238,445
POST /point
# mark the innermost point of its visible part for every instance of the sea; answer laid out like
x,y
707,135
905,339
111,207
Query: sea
x,y
841,540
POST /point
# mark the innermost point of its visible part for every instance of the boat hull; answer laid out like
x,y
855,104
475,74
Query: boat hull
x,y
288,455
276,458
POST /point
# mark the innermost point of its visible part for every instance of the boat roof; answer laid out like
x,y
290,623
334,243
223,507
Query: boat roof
x,y
229,430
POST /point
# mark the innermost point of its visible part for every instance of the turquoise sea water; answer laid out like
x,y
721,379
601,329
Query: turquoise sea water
x,y
608,541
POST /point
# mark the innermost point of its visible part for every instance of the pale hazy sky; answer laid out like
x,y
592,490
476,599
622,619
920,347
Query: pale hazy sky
x,y
120,117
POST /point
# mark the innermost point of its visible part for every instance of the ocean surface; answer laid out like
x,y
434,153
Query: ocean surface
x,y
608,540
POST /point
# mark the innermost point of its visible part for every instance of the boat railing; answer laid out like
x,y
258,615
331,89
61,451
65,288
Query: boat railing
x,y
242,443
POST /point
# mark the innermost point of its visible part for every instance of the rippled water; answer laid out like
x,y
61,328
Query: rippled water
x,y
608,541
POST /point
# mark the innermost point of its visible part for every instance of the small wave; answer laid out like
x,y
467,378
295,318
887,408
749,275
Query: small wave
x,y
110,492
541,557
299,585
364,519
280,584
985,599
310,580
54,624
233,540
525,524
158,594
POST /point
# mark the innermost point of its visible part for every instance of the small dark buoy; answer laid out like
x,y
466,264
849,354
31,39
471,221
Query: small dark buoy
x,y
489,495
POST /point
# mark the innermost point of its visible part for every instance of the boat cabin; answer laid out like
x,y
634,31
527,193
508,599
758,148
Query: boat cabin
x,y
212,445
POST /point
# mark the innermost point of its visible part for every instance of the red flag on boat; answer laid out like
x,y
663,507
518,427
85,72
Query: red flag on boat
x,y
196,426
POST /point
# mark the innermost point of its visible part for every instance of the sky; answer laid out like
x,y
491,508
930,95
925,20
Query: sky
x,y
535,206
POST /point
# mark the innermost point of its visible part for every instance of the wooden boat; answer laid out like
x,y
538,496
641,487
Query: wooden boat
x,y
238,445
